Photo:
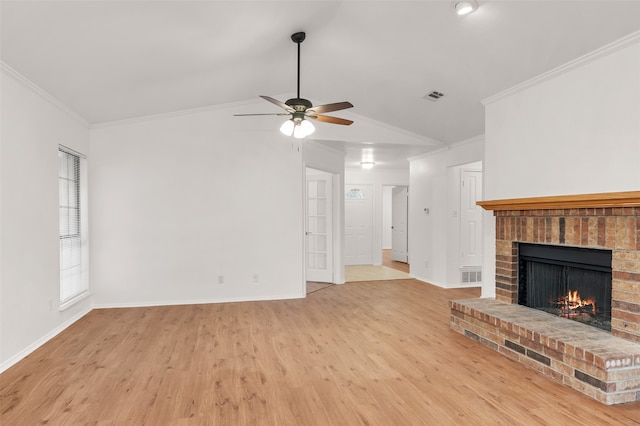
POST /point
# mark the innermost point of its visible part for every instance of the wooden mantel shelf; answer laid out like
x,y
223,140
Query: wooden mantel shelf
x,y
607,199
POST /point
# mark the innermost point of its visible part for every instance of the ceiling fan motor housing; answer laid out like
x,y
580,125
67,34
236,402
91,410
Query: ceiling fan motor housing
x,y
299,104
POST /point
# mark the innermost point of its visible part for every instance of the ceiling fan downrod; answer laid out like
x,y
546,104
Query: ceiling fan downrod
x,y
298,38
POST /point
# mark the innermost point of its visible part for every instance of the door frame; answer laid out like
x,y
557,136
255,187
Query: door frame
x,y
404,188
337,205
466,169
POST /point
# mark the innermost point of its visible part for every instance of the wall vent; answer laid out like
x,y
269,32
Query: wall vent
x,y
433,96
470,274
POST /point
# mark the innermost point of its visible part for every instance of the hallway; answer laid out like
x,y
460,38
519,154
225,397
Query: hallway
x,y
389,270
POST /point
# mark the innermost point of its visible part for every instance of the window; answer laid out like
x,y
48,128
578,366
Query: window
x,y
355,194
73,254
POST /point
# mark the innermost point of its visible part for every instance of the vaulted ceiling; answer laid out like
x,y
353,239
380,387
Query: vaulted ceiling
x,y
113,60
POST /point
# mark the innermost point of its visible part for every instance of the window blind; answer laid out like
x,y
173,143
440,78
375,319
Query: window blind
x,y
72,284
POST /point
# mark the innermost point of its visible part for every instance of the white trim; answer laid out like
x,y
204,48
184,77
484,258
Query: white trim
x,y
442,285
429,141
196,301
423,140
42,93
427,281
315,143
474,139
75,299
71,151
608,49
172,114
44,339
429,154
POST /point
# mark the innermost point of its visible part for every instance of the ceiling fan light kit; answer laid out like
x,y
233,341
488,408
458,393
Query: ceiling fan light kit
x,y
302,110
298,130
464,7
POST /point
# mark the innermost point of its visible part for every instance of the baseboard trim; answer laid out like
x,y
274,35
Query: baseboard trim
x,y
195,302
428,281
443,285
44,339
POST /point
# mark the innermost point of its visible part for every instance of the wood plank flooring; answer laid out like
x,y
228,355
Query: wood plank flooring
x,y
390,263
365,353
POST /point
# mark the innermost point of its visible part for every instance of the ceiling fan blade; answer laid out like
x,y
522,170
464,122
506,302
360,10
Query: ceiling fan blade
x,y
278,103
330,107
270,113
329,119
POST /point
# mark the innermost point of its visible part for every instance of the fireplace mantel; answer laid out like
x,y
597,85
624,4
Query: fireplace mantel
x,y
601,200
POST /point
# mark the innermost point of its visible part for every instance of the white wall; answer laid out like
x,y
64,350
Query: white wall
x,y
575,131
378,178
33,125
431,241
180,200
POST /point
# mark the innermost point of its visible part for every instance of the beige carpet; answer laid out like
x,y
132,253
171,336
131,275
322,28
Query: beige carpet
x,y
373,273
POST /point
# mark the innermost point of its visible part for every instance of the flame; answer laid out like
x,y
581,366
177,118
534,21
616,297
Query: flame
x,y
573,301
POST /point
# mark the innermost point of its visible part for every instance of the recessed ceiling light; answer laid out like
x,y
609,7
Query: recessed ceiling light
x,y
464,7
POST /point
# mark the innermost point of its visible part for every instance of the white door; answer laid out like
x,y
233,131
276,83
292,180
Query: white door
x,y
399,219
358,225
471,218
319,227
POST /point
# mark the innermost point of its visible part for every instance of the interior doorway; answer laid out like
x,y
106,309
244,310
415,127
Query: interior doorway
x,y
358,229
395,219
319,229
399,224
465,248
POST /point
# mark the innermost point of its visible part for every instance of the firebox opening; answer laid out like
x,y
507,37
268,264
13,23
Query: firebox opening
x,y
571,282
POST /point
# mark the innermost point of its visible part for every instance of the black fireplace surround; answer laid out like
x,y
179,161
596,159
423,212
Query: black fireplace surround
x,y
571,282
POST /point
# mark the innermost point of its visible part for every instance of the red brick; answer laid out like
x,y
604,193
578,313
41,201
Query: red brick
x,y
601,240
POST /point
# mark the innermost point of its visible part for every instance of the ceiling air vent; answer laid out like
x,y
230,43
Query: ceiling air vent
x,y
433,96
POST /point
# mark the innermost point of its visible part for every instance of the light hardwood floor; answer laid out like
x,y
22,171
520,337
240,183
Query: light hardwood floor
x,y
390,263
365,353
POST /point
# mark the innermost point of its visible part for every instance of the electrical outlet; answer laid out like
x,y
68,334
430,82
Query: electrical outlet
x,y
220,279
255,278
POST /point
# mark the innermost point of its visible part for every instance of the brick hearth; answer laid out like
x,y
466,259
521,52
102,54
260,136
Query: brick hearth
x,y
589,360
602,365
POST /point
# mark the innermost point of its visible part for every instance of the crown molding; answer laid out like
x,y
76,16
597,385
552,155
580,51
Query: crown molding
x,y
606,50
314,144
171,114
25,82
474,139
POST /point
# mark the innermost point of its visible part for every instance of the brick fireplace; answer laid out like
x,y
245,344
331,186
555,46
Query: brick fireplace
x,y
603,365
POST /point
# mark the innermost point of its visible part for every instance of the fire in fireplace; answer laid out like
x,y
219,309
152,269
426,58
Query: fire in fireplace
x,y
572,304
571,282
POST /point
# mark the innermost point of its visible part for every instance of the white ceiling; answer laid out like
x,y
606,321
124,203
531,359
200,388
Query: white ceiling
x,y
114,60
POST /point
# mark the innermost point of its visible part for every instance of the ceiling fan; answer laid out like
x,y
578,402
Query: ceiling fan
x,y
301,110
